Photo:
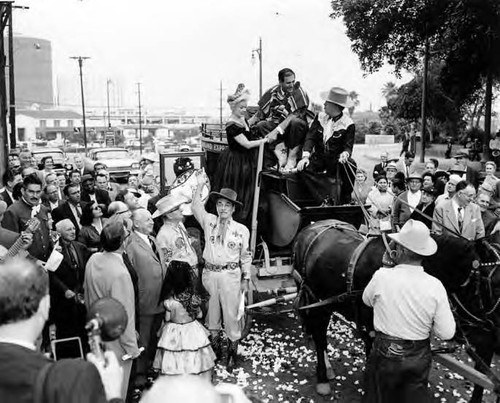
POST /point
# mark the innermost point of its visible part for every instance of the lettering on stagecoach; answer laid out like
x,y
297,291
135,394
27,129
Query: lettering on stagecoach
x,y
213,146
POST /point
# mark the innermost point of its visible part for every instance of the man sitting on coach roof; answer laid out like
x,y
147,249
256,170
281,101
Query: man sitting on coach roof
x,y
24,309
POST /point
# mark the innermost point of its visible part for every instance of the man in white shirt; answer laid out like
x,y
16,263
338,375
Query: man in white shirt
x,y
407,304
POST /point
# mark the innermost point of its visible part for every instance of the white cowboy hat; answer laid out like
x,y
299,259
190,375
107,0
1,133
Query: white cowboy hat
x,y
338,96
416,237
169,203
391,165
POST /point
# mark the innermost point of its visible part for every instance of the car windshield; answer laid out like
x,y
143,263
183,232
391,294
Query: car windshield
x,y
112,154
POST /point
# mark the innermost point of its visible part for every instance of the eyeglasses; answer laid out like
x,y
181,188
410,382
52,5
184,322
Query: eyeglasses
x,y
469,196
122,212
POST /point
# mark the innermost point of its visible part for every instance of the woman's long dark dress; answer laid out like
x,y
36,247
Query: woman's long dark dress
x,y
236,170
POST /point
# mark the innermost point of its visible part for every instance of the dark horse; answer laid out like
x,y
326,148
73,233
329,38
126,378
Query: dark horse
x,y
333,259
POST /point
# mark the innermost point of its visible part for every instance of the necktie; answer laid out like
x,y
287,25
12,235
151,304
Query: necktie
x,y
460,219
153,246
78,210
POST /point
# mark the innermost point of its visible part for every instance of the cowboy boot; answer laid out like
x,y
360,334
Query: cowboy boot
x,y
216,342
292,159
281,153
232,355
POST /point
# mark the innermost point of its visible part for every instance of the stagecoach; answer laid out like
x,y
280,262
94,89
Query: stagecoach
x,y
282,208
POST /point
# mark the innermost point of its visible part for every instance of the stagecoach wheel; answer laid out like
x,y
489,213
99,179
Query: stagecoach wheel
x,y
248,316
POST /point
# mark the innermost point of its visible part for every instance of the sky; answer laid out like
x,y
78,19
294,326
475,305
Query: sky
x,y
181,50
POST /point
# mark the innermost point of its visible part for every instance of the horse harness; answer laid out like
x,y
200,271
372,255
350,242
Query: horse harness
x,y
350,293
479,279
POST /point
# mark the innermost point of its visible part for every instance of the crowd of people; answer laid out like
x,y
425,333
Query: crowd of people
x,y
460,201
82,239
73,238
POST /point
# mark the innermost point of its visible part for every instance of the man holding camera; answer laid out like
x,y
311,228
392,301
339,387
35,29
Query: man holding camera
x,y
25,374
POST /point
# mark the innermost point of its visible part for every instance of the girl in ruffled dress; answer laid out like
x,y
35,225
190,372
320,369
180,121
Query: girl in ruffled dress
x,y
183,345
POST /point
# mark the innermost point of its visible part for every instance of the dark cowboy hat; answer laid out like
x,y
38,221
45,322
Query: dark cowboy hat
x,y
228,194
429,189
442,174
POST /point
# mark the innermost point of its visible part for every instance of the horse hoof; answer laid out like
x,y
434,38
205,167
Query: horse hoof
x,y
330,374
323,389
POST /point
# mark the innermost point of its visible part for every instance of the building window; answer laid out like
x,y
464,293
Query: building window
x,y
57,123
70,123
43,124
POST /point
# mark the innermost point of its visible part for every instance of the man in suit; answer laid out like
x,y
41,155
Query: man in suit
x,y
146,257
72,208
21,211
106,275
66,285
90,193
75,177
406,202
406,165
24,296
379,169
51,197
471,173
102,183
459,215
79,165
10,179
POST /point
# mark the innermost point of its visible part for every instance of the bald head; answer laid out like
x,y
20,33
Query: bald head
x,y
142,221
184,388
66,229
23,285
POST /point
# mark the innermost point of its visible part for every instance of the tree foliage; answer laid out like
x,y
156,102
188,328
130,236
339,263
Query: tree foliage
x,y
464,34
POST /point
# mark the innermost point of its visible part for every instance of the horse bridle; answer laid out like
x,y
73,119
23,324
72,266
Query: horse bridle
x,y
476,275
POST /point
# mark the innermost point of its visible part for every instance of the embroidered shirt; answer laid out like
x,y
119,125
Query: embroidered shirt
x,y
174,241
233,249
408,303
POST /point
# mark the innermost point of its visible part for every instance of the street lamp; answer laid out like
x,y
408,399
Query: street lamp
x,y
108,81
259,53
80,64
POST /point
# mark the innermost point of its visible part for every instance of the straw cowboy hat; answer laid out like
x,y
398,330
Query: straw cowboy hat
x,y
338,96
169,203
228,194
462,153
416,237
391,165
414,175
152,157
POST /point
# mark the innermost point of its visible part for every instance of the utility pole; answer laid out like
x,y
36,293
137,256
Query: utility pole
x,y
108,81
220,104
140,118
424,101
80,64
259,53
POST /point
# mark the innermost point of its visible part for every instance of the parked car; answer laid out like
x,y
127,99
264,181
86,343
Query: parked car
x,y
118,162
57,155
